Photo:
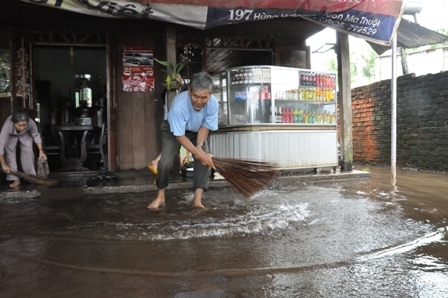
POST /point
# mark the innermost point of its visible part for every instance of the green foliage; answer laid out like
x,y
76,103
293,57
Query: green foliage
x,y
362,64
443,31
172,71
368,69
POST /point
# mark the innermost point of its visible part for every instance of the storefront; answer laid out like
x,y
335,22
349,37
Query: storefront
x,y
68,52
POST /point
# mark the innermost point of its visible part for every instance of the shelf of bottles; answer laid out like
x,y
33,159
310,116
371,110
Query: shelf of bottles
x,y
312,102
277,95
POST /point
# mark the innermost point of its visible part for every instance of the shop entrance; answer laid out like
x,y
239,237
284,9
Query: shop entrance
x,y
71,105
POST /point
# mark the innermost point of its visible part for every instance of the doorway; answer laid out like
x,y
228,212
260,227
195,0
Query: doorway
x,y
71,90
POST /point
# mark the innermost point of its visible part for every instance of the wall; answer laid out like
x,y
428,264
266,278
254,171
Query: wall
x,y
422,122
419,62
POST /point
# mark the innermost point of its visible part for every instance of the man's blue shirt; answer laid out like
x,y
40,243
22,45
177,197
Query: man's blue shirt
x,y
182,116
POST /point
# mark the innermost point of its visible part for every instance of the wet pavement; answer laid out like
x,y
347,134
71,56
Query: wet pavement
x,y
299,238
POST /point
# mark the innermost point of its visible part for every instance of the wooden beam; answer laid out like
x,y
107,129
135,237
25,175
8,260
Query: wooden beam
x,y
171,55
345,101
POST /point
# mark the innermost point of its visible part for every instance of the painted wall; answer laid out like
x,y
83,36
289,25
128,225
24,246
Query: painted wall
x,y
422,122
420,63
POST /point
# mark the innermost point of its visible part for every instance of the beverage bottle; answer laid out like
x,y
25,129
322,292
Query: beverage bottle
x,y
280,115
300,116
296,115
276,115
299,94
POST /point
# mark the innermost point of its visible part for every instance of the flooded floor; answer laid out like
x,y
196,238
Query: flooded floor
x,y
352,238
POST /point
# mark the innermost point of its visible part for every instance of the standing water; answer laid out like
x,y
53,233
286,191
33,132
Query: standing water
x,y
352,238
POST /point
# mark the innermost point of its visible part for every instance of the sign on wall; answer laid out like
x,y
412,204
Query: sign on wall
x,y
138,70
373,20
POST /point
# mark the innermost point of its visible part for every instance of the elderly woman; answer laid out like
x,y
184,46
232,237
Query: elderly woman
x,y
19,128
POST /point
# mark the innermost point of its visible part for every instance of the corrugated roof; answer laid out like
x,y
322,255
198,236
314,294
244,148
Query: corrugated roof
x,y
412,35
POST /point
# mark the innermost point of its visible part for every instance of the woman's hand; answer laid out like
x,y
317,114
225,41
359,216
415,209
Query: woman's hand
x,y
7,169
42,155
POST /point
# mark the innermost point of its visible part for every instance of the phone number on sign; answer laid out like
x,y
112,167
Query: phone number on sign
x,y
362,30
354,28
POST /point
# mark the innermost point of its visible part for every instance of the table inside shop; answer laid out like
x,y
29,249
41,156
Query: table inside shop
x,y
73,151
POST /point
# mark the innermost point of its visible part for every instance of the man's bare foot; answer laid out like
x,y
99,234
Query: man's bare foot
x,y
156,203
15,184
198,205
197,201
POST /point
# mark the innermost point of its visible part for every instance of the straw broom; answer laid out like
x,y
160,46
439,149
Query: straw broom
x,y
246,176
33,178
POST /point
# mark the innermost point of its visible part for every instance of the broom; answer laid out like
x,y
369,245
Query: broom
x,y
246,176
33,178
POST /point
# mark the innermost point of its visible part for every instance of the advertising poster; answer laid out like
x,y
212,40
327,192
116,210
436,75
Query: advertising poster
x,y
138,70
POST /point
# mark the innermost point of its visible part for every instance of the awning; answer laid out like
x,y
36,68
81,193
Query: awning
x,y
375,21
412,35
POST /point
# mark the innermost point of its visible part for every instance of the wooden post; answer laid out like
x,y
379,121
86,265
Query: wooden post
x,y
171,55
345,101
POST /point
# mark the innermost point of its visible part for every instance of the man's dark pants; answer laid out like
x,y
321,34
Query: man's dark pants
x,y
170,150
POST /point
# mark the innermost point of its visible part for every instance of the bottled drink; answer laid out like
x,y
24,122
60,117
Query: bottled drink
x,y
280,115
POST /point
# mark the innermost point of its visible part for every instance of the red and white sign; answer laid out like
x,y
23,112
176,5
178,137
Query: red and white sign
x,y
138,70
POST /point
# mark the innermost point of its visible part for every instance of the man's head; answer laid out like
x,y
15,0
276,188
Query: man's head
x,y
200,90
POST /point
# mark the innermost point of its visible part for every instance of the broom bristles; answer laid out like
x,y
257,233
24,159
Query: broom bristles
x,y
246,176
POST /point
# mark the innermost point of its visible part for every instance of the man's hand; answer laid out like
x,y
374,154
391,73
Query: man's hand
x,y
205,158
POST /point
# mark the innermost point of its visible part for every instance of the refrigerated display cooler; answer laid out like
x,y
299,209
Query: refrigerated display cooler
x,y
277,114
